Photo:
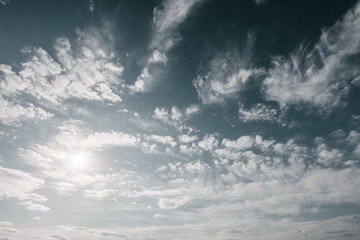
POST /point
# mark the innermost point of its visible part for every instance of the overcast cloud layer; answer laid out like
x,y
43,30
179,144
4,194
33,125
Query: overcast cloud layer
x,y
179,119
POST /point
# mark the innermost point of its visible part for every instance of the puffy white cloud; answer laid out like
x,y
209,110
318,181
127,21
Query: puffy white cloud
x,y
323,82
191,150
209,142
168,140
184,138
243,142
12,112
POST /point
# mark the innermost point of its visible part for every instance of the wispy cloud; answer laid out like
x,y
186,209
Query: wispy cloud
x,y
21,185
227,74
4,2
323,83
166,20
260,112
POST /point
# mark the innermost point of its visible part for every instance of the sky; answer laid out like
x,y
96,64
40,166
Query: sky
x,y
179,119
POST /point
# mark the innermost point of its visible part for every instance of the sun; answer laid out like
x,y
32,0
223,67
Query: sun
x,y
79,162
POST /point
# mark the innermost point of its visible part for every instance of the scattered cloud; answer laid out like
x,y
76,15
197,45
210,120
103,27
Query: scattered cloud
x,y
176,117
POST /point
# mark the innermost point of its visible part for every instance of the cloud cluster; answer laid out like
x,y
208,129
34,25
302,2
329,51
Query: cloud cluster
x,y
87,70
176,117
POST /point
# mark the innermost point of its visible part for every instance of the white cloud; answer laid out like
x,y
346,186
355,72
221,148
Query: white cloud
x,y
21,185
260,112
168,140
176,117
226,75
86,69
190,150
209,142
323,84
192,109
172,203
91,6
222,83
184,138
104,139
34,206
243,142
99,194
166,20
326,156
12,112
88,233
5,223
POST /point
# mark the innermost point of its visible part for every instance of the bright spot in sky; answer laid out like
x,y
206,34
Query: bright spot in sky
x,y
78,162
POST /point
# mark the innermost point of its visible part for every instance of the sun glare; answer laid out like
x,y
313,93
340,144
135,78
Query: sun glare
x,y
78,162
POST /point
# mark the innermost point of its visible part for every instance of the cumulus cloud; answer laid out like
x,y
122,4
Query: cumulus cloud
x,y
167,140
11,112
326,76
190,150
184,138
166,20
209,142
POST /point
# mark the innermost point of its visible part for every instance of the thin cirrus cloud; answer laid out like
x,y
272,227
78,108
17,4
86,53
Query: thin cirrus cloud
x,y
323,82
166,20
226,75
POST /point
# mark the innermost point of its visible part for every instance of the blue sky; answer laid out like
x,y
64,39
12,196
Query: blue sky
x,y
179,119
